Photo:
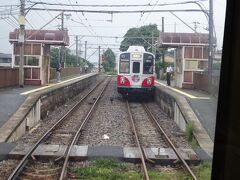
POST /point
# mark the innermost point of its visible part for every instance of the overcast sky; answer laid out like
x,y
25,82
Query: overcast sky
x,y
100,25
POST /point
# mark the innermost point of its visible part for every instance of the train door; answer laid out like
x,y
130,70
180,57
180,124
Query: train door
x,y
136,70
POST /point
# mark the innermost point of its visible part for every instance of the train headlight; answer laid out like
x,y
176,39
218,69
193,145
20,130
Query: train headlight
x,y
122,80
149,81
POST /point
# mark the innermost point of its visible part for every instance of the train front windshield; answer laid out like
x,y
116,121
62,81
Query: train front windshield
x,y
148,64
124,65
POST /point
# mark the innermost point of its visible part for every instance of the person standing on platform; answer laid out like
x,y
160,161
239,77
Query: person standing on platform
x,y
58,71
169,73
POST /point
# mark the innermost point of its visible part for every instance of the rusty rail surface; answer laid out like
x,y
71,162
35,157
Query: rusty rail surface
x,y
43,138
152,117
146,176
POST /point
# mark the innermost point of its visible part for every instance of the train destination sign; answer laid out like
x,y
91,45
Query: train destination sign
x,y
137,56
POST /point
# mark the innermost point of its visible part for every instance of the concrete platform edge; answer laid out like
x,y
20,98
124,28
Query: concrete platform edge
x,y
16,125
199,132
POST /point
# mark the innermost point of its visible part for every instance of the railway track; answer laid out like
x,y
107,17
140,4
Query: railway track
x,y
140,141
38,170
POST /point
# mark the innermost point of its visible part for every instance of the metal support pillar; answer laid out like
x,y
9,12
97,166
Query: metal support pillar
x,y
21,40
62,49
77,50
210,52
163,55
99,58
85,59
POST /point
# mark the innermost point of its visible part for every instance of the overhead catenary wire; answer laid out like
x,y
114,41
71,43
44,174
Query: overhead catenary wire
x,y
10,23
48,12
13,21
150,12
119,11
82,21
129,37
117,5
59,3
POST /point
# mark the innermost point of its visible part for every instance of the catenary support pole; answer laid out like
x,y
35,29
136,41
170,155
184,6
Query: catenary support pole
x,y
77,50
210,53
85,59
163,54
21,40
99,58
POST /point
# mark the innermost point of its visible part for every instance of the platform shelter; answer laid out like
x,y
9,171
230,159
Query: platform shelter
x,y
37,53
191,55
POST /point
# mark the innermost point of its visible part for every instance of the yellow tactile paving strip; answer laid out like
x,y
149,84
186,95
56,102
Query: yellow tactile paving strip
x,y
55,84
182,92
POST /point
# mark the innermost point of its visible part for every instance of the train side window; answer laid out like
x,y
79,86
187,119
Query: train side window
x,y
147,68
124,67
136,67
148,64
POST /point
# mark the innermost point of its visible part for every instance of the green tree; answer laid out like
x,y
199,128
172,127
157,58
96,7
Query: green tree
x,y
71,59
109,60
53,57
141,32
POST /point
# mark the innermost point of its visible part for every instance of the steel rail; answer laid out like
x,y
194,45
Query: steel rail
x,y
146,176
78,133
152,117
44,137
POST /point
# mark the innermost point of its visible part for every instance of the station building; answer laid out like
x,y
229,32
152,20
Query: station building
x,y
191,55
37,53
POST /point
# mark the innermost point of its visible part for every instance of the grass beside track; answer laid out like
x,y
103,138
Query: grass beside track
x,y
102,169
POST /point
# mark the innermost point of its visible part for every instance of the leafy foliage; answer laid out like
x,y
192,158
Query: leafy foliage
x,y
159,65
203,171
109,60
189,131
71,59
53,57
143,31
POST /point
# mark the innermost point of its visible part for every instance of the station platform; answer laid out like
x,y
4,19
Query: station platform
x,y
203,104
13,97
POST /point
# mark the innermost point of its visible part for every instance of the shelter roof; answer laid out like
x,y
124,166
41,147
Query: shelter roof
x,y
183,39
51,37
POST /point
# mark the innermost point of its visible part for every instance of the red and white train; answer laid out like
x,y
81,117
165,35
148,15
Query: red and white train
x,y
136,72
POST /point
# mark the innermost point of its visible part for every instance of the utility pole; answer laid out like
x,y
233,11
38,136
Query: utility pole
x,y
77,50
163,56
21,40
162,24
62,49
85,59
62,19
210,53
152,42
99,58
195,26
